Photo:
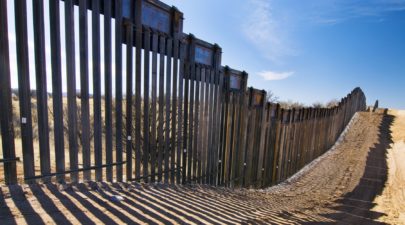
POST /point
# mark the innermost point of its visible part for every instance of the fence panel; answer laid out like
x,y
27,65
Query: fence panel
x,y
166,103
235,88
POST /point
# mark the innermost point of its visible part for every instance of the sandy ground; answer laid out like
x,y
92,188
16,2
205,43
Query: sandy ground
x,y
37,166
392,200
341,187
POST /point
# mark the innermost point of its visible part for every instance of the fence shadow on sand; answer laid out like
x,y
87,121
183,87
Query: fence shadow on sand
x,y
356,206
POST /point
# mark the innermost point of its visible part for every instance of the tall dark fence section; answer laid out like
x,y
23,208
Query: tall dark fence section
x,y
163,109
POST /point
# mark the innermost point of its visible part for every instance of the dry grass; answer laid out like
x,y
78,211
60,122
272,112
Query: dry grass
x,y
18,142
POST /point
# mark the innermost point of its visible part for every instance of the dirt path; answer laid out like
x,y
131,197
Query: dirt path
x,y
340,187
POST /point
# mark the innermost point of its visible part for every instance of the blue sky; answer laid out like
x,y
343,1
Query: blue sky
x,y
308,51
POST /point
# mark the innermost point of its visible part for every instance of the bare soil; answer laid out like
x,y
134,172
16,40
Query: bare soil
x,y
359,181
392,200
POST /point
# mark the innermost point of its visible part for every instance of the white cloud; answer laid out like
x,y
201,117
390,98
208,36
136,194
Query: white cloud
x,y
265,31
334,11
272,75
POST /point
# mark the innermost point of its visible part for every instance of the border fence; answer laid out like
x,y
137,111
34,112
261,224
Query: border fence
x,y
146,103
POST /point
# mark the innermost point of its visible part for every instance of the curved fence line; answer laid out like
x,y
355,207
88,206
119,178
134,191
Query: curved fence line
x,y
264,144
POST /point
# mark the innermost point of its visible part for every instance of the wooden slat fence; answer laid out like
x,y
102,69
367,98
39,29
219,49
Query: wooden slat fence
x,y
144,103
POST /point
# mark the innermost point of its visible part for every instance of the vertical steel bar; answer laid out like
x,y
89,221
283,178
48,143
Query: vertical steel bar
x,y
84,88
7,130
